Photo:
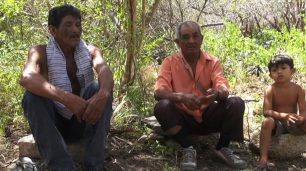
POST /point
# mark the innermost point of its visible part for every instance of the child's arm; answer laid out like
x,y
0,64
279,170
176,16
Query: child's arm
x,y
302,106
268,109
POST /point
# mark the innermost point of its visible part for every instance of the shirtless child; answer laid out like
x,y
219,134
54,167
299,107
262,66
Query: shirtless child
x,y
284,106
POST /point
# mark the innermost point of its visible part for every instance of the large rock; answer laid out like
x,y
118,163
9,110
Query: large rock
x,y
285,146
28,148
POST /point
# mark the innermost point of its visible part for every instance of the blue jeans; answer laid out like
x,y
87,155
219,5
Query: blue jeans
x,y
51,131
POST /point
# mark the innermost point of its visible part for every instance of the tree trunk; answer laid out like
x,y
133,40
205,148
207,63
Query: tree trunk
x,y
134,41
129,73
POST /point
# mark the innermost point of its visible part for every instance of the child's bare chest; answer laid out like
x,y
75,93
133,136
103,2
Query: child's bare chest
x,y
285,97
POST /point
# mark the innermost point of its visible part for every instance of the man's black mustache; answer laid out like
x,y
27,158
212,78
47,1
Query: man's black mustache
x,y
75,35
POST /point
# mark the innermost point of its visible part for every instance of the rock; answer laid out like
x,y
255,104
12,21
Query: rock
x,y
143,139
152,123
285,146
28,148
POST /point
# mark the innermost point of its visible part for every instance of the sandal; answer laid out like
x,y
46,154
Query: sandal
x,y
25,164
264,167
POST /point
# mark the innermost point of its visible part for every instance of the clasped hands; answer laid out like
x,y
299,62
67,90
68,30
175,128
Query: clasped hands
x,y
193,102
294,118
89,110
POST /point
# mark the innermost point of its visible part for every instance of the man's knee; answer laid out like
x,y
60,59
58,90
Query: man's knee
x,y
236,101
237,104
91,89
109,107
33,100
29,97
95,85
161,106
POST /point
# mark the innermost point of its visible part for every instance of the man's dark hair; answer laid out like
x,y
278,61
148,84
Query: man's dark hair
x,y
280,59
56,14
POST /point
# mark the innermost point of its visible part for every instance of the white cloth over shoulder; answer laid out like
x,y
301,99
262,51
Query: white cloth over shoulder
x,y
57,71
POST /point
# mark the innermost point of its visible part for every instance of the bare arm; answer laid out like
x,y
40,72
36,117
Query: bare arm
x,y
97,103
34,79
166,94
302,105
189,100
268,108
105,75
220,83
163,88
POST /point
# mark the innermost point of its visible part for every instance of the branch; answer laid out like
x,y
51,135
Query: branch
x,y
115,20
277,24
152,12
274,25
181,10
257,23
210,25
201,11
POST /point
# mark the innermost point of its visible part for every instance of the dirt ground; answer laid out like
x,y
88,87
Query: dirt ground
x,y
128,152
207,161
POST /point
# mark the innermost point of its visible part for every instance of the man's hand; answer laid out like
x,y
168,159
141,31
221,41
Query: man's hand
x,y
191,101
76,105
209,98
96,106
213,92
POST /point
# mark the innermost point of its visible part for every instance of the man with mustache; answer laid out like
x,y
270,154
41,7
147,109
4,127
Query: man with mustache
x,y
192,95
63,103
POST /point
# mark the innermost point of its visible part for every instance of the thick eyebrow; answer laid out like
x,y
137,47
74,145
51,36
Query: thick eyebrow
x,y
194,33
68,22
72,21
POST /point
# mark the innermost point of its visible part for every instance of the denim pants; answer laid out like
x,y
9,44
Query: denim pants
x,y
51,132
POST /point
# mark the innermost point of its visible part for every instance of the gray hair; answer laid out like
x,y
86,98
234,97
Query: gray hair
x,y
188,23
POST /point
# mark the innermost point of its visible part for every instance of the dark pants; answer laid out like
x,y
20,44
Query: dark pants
x,y
51,132
225,117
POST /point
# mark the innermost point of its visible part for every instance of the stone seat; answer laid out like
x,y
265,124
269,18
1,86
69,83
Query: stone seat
x,y
285,146
28,148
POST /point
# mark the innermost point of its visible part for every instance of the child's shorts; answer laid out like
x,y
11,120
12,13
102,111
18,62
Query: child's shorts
x,y
283,127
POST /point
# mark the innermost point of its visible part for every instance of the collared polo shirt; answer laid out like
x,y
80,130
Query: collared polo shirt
x,y
174,77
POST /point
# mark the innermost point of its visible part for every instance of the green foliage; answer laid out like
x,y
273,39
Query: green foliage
x,y
140,95
11,61
242,56
10,91
141,100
